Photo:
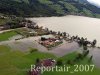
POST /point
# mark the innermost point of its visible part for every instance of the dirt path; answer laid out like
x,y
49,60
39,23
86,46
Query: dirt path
x,y
9,30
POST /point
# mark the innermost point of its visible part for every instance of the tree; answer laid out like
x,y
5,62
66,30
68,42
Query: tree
x,y
59,33
59,62
79,56
47,29
86,53
85,48
64,33
94,43
37,60
90,59
70,62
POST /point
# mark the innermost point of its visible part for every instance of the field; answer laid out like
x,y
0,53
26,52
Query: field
x,y
6,35
18,63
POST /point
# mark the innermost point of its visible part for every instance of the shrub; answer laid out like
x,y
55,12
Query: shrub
x,y
69,62
33,50
59,62
86,53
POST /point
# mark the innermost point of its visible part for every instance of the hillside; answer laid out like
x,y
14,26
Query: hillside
x,y
30,8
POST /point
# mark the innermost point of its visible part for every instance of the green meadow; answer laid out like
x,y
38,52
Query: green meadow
x,y
16,62
6,35
19,63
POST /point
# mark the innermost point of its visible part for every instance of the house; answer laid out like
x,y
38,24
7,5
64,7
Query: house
x,y
50,42
48,62
43,63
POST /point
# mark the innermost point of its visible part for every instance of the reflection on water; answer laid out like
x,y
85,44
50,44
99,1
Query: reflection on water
x,y
74,25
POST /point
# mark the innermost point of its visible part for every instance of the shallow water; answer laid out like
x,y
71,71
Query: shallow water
x,y
74,25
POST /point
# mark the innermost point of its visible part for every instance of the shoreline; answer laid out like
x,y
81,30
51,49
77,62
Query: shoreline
x,y
61,16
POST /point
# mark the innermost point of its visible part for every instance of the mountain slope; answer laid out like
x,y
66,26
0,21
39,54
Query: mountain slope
x,y
82,1
48,7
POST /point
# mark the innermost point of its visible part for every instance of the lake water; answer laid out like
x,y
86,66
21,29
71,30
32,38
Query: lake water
x,y
74,25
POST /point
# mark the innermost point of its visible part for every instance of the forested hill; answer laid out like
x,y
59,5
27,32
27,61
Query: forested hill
x,y
30,8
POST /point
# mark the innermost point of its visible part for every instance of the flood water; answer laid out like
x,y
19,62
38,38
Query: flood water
x,y
74,25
